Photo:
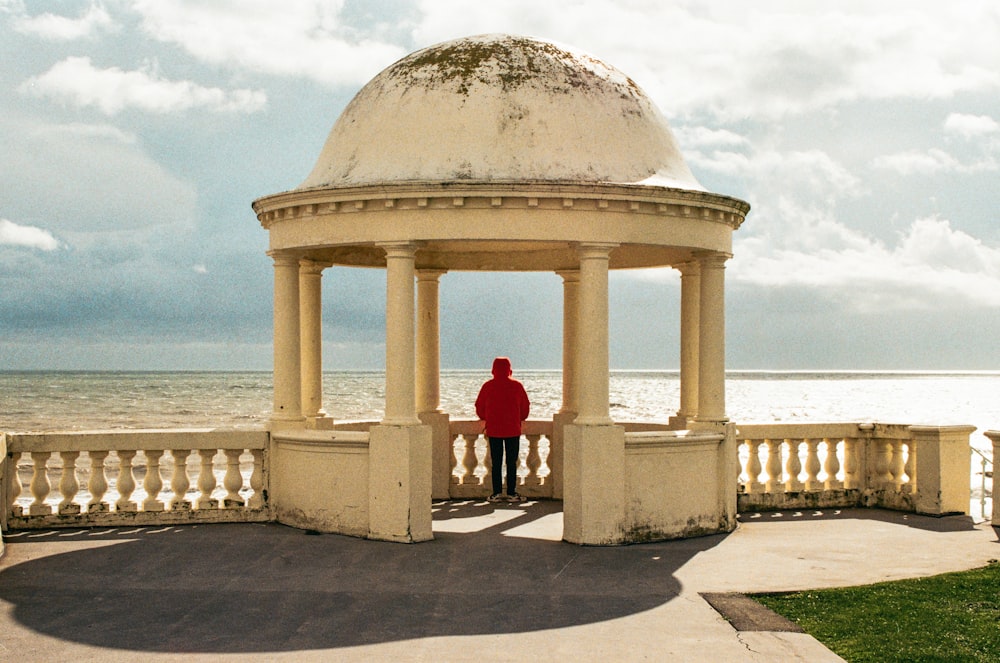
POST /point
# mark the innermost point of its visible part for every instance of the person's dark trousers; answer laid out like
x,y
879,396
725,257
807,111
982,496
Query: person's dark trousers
x,y
497,447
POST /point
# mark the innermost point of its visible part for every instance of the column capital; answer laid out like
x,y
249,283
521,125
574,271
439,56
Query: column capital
x,y
569,275
430,274
398,249
310,266
285,258
689,268
712,258
595,249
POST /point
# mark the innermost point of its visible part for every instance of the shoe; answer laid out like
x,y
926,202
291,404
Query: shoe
x,y
495,497
514,497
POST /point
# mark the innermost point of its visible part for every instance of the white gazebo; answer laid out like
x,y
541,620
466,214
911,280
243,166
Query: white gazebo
x,y
499,153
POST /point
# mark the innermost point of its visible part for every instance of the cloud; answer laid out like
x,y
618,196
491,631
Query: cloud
x,y
306,38
930,162
12,234
87,179
60,28
77,81
932,267
772,59
971,126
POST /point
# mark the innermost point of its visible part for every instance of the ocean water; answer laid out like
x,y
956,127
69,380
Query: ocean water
x,y
68,401
53,401
49,401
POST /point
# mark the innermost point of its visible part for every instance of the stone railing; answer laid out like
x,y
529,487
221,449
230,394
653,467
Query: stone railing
x,y
471,469
134,478
912,468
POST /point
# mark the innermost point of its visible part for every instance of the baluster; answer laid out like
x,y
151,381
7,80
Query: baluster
x,y
68,484
851,478
793,467
15,488
153,483
910,468
206,481
552,463
753,484
98,483
126,482
532,462
544,469
896,467
233,480
812,465
831,465
883,463
453,460
180,482
487,465
773,469
256,500
40,486
469,460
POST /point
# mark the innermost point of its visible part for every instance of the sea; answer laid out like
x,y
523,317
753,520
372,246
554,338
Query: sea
x,y
50,401
46,401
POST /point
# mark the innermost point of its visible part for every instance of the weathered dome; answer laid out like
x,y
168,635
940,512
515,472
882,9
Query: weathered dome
x,y
500,108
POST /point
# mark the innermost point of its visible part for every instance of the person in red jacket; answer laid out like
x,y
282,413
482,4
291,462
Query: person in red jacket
x,y
503,404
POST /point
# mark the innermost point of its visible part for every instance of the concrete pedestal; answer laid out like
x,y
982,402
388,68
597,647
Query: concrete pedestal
x,y
942,468
594,484
442,452
399,481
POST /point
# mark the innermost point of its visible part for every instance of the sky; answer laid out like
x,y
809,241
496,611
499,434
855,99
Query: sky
x,y
134,135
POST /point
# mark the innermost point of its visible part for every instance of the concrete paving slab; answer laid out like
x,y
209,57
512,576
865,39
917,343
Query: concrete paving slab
x,y
496,583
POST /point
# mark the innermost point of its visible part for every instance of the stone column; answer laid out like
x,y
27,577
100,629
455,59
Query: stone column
x,y
428,388
399,448
570,352
594,511
570,340
429,380
592,364
400,363
287,352
712,338
690,298
311,317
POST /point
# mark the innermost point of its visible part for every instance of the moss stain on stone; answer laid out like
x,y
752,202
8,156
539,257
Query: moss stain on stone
x,y
509,63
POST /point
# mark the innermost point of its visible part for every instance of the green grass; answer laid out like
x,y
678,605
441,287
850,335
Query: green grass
x,y
950,617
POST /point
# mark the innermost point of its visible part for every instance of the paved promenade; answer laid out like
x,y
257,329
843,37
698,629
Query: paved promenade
x,y
496,584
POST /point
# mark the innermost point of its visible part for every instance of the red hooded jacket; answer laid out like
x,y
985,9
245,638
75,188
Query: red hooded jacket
x,y
502,402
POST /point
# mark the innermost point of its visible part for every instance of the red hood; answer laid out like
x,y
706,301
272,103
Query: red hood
x,y
501,367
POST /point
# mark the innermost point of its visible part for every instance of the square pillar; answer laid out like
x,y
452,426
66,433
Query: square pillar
x,y
994,437
942,469
594,485
399,483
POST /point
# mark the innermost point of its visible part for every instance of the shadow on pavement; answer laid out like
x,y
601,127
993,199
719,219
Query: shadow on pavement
x,y
951,523
258,588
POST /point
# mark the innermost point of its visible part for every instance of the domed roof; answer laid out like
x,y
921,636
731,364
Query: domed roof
x,y
501,108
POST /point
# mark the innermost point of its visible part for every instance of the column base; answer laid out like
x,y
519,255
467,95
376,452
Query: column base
x,y
594,484
321,422
399,483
